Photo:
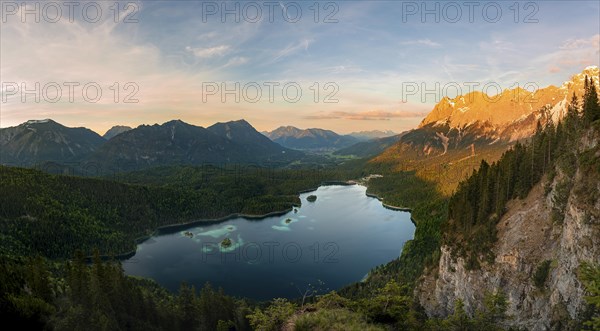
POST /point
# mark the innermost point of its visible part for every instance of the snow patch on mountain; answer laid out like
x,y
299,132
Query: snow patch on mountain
x,y
38,121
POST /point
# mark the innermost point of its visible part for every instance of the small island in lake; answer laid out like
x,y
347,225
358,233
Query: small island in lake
x,y
226,243
288,221
311,198
188,234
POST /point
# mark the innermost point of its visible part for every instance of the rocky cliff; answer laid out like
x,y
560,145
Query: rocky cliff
x,y
559,222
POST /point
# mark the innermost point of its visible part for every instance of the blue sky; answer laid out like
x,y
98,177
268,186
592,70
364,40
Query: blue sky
x,y
176,48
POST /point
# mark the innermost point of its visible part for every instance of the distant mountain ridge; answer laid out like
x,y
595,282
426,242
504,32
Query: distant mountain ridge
x,y
37,141
177,142
115,130
309,139
369,148
373,134
173,142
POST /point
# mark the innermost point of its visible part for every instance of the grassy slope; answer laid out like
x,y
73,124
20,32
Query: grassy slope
x,y
446,171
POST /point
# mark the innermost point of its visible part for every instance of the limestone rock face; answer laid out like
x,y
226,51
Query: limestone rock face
x,y
509,107
527,236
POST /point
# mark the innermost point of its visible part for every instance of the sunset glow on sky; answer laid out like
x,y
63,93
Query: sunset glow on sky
x,y
176,58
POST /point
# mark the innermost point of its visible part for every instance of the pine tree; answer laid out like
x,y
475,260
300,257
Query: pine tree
x,y
187,304
38,278
591,107
78,279
485,194
560,138
593,102
572,118
459,320
573,107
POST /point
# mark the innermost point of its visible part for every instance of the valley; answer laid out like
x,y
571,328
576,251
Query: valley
x,y
196,218
300,166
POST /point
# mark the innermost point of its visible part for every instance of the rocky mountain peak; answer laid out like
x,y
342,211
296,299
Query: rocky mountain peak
x,y
510,106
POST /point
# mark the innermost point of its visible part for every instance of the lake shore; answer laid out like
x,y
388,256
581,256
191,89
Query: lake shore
x,y
172,228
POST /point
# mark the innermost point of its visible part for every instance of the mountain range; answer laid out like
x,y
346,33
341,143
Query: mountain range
x,y
458,133
173,142
310,139
458,128
508,116
510,106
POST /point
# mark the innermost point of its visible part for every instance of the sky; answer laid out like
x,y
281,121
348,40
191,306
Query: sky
x,y
345,66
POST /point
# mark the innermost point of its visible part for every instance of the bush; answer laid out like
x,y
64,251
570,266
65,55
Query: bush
x,y
590,277
334,319
274,317
541,274
560,200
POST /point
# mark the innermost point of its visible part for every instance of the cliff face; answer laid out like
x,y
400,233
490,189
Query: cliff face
x,y
527,236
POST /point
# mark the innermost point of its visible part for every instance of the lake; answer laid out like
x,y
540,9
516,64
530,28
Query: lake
x,y
328,244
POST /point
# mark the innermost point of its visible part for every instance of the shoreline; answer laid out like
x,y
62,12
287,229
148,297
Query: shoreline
x,y
172,228
404,209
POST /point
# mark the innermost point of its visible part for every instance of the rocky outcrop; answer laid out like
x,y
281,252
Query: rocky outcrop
x,y
528,235
510,106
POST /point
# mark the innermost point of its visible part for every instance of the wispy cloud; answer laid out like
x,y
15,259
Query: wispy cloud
x,y
293,48
103,54
554,69
346,69
207,35
573,54
236,61
209,52
424,42
369,54
370,115
571,44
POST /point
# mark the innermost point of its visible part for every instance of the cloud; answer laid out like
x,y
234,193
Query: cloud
x,y
554,69
207,35
573,54
370,115
209,52
572,44
424,42
103,53
293,48
346,69
236,61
